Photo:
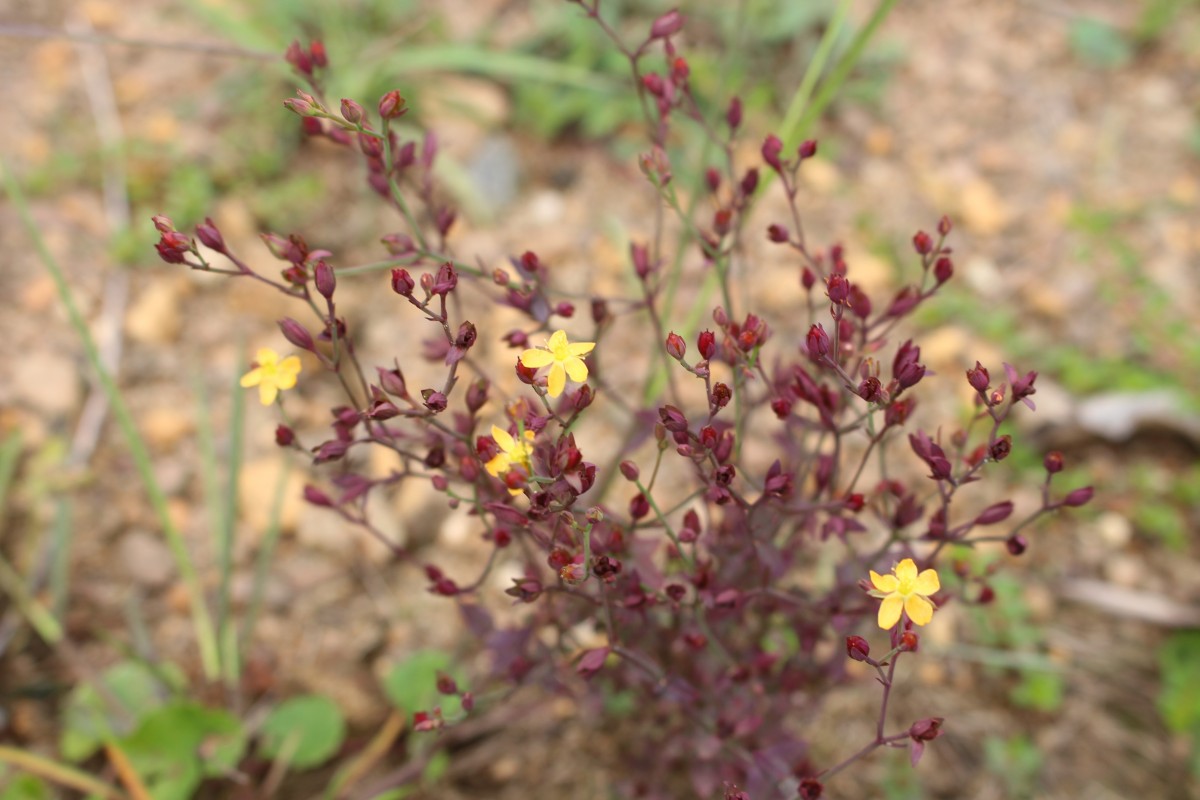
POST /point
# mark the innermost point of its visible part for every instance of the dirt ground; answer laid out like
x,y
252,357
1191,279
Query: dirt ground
x,y
989,115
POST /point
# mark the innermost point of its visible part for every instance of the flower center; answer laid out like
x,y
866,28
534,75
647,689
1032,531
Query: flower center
x,y
906,587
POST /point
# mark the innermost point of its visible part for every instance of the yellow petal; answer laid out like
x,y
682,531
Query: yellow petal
x,y
919,609
884,583
503,438
536,358
580,348
267,391
556,380
266,356
889,611
497,466
285,380
252,378
576,369
906,571
290,366
558,340
928,583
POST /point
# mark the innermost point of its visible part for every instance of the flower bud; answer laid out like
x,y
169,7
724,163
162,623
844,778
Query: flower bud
x,y
926,729
1053,462
771,149
857,648
284,435
666,25
1016,544
910,641
817,342
352,112
477,395
296,333
209,236
435,401
1001,448
316,497
733,115
837,288
943,270
446,684
673,419
807,149
676,347
978,378
402,282
1078,497
629,470
391,105
922,243
749,182
299,58
706,343
944,226
997,512
324,279
777,234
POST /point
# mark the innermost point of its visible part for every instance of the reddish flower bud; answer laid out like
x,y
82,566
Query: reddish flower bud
x,y
391,105
997,512
1001,448
771,149
477,395
712,179
1078,497
910,641
666,25
807,149
435,401
749,182
857,648
706,343
316,497
392,381
296,333
721,395
837,288
979,378
943,270
777,234
1016,544
324,279
209,236
733,115
352,112
446,684
673,419
629,470
855,502
654,83
926,729
817,342
1053,462
944,226
986,595
284,435
922,243
402,282
298,58
808,279
676,347
810,789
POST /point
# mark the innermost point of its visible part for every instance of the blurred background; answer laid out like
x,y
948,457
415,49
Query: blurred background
x,y
1062,138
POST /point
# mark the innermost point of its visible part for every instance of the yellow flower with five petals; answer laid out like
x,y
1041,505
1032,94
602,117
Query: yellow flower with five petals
x,y
513,452
905,590
271,375
563,358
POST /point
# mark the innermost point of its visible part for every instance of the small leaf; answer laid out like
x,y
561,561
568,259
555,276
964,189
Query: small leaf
x,y
411,685
1099,43
308,729
89,718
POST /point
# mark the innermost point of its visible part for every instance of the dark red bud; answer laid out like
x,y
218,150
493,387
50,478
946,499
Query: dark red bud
x,y
1053,462
1001,448
978,378
391,105
771,149
817,342
316,497
352,112
324,279
733,115
997,512
706,343
838,288
807,149
209,236
944,226
402,282
666,25
857,648
712,179
284,435
943,270
676,347
777,234
1078,497
1016,544
296,333
629,470
910,641
922,243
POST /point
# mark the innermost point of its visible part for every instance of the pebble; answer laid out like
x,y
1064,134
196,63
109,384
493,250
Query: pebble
x,y
47,381
146,559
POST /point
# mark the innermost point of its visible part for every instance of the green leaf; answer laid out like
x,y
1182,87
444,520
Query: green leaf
x,y
89,718
1179,698
25,787
411,685
1042,691
1099,43
180,744
306,729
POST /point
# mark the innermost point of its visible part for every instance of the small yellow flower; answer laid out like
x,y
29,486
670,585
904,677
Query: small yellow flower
x,y
564,361
518,452
905,590
271,375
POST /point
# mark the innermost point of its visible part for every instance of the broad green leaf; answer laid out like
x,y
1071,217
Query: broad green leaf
x,y
89,718
411,685
25,787
307,729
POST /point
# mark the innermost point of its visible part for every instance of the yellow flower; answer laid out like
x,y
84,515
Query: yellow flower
x,y
564,361
271,375
517,452
906,590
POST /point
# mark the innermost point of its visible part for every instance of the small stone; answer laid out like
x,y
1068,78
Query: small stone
x,y
146,559
164,427
46,380
156,316
256,497
983,210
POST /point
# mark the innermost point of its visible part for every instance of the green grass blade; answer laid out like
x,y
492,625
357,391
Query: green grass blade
x,y
202,621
